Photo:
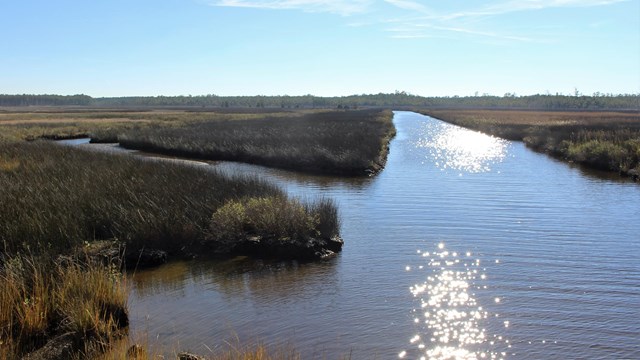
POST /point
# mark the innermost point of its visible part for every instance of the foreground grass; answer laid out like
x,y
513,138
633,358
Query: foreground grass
x,y
236,351
66,308
607,141
337,142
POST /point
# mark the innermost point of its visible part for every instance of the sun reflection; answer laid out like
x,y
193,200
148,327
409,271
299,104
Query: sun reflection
x,y
450,318
456,148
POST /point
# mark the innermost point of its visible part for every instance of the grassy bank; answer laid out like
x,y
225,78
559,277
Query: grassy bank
x,y
336,142
607,141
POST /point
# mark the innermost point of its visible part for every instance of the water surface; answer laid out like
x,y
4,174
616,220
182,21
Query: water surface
x,y
465,246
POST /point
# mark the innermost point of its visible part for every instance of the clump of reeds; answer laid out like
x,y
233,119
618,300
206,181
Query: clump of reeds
x,y
276,217
41,300
342,142
616,150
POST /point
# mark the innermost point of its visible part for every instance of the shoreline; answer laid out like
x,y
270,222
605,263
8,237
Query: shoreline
x,y
554,134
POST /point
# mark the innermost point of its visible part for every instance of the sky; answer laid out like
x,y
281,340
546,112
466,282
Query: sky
x,y
321,47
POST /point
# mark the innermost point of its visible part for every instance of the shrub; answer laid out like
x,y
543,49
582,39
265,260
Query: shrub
x,y
273,216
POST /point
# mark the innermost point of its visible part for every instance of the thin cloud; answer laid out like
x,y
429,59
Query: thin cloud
x,y
528,5
425,30
454,23
340,7
483,33
420,20
409,5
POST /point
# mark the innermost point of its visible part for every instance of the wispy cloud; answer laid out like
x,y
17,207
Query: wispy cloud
x,y
418,19
409,5
501,8
458,22
426,30
340,7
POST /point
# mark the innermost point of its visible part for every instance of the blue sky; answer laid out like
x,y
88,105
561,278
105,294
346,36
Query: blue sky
x,y
319,47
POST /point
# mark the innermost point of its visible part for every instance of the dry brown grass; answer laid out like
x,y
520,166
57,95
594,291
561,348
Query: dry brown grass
x,y
104,125
40,300
126,351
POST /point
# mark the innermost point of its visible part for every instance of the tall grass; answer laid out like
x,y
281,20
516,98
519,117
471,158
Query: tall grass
x,y
41,300
54,198
341,142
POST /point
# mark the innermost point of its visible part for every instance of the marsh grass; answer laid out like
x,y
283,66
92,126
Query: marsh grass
x,y
607,141
99,124
40,300
56,198
275,216
340,142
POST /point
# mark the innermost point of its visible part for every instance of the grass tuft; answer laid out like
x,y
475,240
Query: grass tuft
x,y
41,300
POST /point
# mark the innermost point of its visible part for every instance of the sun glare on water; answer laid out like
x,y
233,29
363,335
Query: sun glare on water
x,y
449,319
452,147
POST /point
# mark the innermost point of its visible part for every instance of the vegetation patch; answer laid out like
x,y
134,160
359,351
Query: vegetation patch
x,y
52,310
55,198
336,142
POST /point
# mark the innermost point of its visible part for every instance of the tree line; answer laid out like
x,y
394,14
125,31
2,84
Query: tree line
x,y
45,100
576,101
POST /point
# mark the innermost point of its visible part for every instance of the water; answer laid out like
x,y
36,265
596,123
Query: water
x,y
465,246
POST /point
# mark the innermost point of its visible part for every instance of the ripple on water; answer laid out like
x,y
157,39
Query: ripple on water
x,y
449,319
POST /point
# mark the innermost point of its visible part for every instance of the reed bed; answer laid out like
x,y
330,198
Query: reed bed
x,y
337,142
607,141
55,198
